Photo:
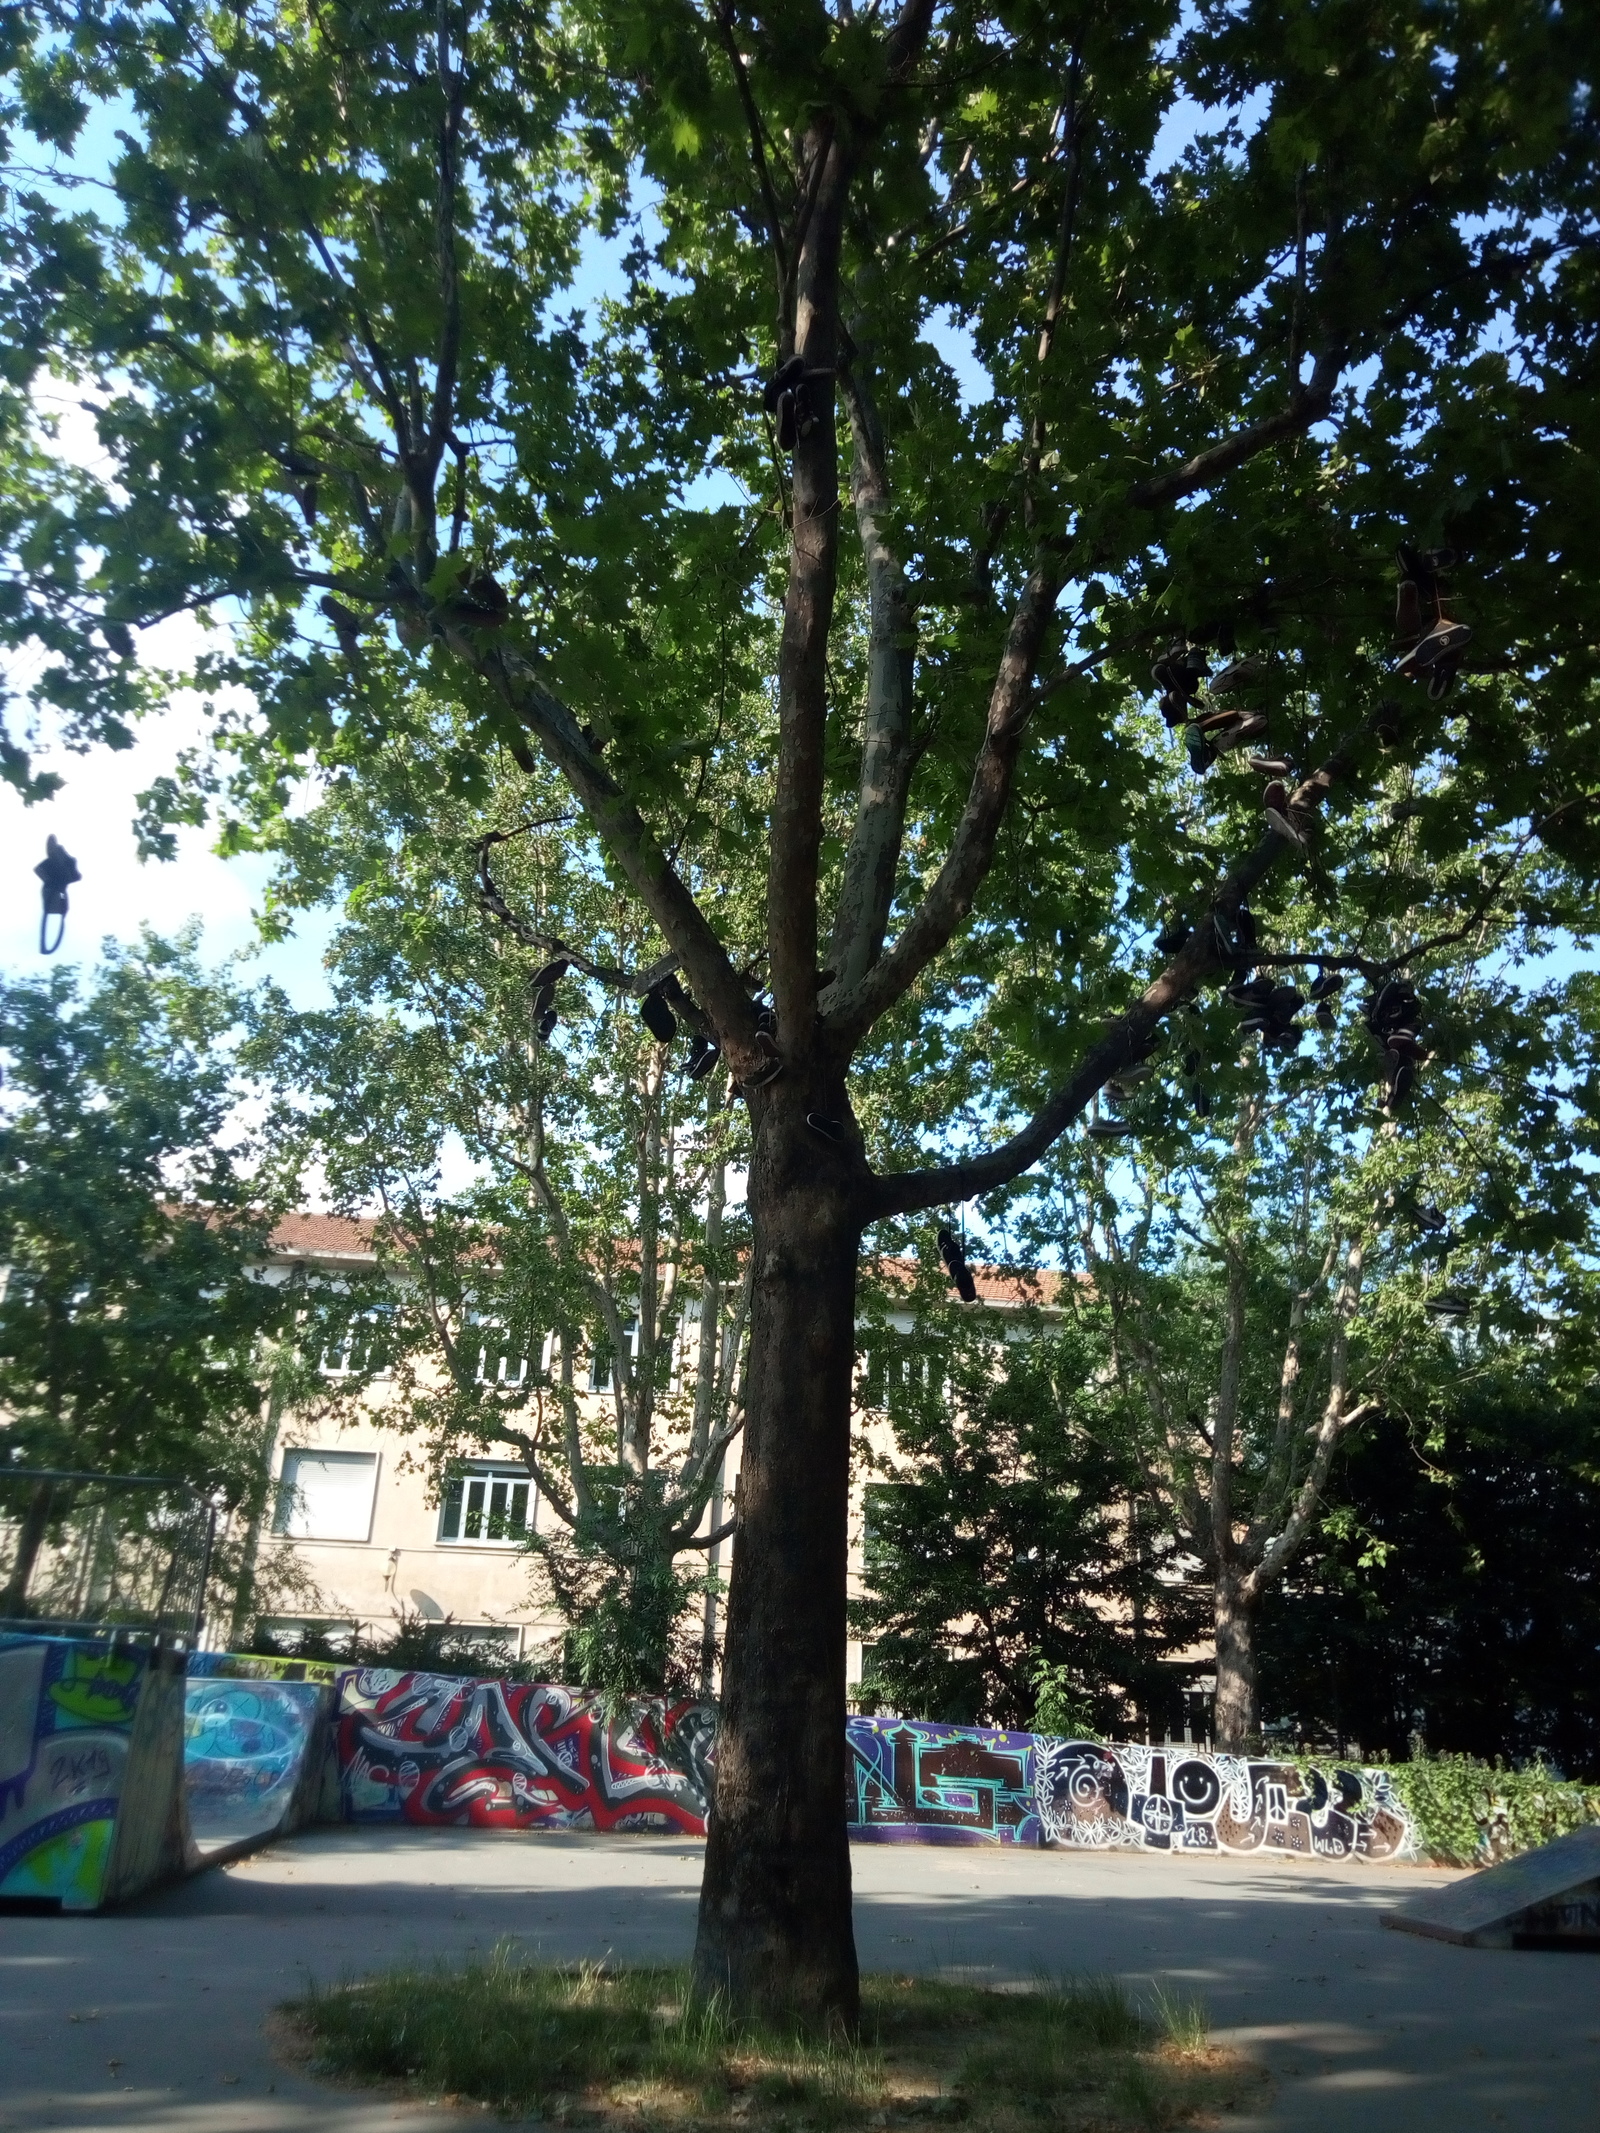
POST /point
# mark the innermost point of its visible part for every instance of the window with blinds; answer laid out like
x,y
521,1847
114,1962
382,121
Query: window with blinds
x,y
487,1507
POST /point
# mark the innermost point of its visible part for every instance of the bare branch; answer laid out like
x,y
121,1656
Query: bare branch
x,y
758,156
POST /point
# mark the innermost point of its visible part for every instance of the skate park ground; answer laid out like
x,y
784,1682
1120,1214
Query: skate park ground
x,y
158,2016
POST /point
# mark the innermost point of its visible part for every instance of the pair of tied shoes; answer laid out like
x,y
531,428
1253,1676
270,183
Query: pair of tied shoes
x,y
1227,728
1286,821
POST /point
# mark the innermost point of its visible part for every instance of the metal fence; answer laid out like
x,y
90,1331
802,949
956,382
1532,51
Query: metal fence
x,y
97,1553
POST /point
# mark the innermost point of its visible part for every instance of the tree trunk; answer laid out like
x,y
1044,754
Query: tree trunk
x,y
30,1539
1238,1725
775,1935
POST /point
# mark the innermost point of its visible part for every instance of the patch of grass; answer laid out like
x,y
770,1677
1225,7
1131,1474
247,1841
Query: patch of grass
x,y
624,2048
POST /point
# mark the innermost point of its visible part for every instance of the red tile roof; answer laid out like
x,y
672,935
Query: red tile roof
x,y
315,1236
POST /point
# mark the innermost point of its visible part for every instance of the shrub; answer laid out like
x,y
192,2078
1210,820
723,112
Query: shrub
x,y
1470,1813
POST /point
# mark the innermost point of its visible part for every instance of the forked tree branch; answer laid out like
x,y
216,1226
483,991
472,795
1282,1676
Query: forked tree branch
x,y
951,895
1205,952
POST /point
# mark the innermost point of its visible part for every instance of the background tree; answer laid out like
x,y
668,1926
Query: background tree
x,y
1294,1249
1007,1547
136,1335
1454,1592
588,1244
340,404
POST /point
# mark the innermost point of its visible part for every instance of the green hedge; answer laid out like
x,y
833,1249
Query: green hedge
x,y
1469,1813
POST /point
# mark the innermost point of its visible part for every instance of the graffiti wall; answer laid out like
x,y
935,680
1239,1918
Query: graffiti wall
x,y
912,1782
89,1748
434,1748
252,1756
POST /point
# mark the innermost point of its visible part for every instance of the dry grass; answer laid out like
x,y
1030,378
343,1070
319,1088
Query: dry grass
x,y
621,2049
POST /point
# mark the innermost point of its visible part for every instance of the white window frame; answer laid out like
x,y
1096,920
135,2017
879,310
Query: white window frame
x,y
339,1357
630,1335
468,1498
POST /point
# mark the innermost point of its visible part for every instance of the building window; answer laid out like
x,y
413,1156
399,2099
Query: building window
x,y
500,1358
360,1348
487,1507
327,1495
600,1360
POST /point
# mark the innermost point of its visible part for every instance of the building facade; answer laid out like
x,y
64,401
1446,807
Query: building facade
x,y
360,1533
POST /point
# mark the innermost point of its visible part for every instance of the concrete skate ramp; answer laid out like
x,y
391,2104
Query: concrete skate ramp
x,y
1547,1898
257,1760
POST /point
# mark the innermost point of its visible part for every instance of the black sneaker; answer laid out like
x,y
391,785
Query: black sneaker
x,y
1446,640
769,1067
831,1129
1108,1129
658,1017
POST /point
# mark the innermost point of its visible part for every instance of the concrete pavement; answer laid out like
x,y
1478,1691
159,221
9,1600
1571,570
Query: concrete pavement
x,y
152,2018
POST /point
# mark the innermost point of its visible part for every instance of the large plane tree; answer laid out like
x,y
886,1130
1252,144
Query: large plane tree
x,y
919,376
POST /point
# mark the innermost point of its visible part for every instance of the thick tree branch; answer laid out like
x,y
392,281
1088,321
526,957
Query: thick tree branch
x,y
949,899
453,86
887,756
758,156
1203,955
620,827
1309,404
796,821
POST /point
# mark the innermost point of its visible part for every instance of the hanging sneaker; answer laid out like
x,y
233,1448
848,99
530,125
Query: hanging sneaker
x,y
1449,1303
1442,679
704,1053
1201,1099
1174,710
547,1022
1408,622
657,1016
1402,1079
1268,766
1236,675
1200,756
831,1129
1445,640
1108,1129
770,1067
1326,984
1250,728
1326,1018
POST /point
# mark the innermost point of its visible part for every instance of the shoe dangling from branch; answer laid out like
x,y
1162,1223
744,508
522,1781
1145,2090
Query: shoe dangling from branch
x,y
955,1265
657,1016
57,871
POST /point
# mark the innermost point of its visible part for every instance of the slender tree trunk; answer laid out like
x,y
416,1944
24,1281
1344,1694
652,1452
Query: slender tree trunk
x,y
30,1539
775,1934
1238,1726
244,1599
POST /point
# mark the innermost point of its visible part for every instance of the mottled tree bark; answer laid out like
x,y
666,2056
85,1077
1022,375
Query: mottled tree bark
x,y
1237,1722
775,1930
